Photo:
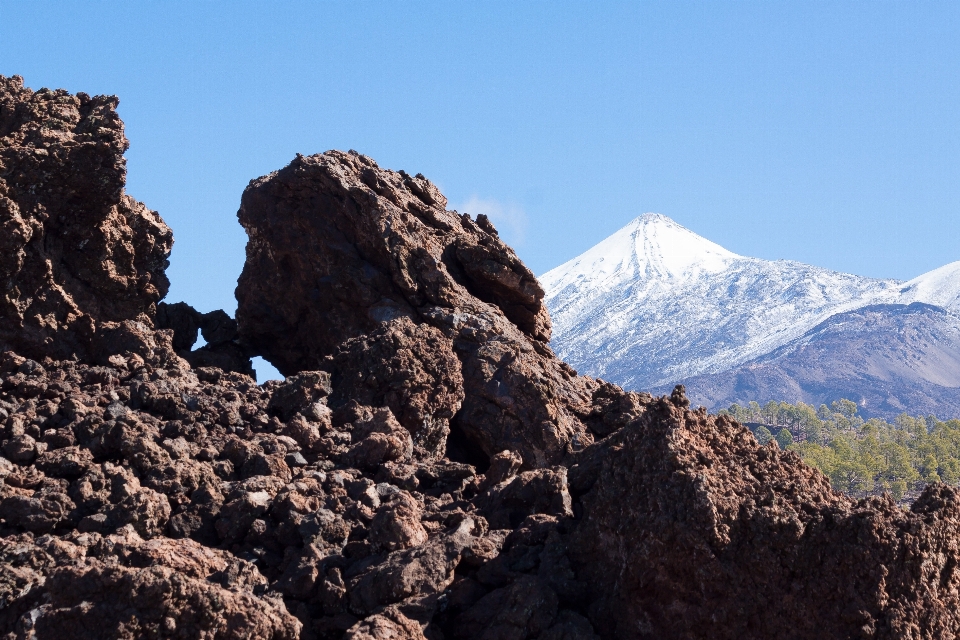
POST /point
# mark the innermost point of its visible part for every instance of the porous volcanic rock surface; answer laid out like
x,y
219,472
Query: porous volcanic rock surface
x,y
339,246
427,470
79,256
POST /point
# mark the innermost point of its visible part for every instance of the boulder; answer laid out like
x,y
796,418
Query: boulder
x,y
339,247
712,535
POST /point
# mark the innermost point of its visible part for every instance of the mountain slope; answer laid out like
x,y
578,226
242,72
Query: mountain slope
x,y
889,359
655,303
940,287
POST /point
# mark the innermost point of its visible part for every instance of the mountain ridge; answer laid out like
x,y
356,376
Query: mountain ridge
x,y
889,359
655,304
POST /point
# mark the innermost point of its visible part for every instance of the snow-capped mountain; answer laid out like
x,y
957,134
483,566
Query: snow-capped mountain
x,y
655,303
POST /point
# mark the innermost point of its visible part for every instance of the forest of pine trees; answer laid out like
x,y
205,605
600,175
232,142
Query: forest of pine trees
x,y
861,457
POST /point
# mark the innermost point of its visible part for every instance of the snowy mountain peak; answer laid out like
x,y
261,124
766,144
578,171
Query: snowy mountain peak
x,y
655,303
650,246
666,248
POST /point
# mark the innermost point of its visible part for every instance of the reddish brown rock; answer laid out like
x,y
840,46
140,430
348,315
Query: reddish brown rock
x,y
397,524
714,536
155,592
526,609
222,350
389,625
409,368
76,252
338,246
543,491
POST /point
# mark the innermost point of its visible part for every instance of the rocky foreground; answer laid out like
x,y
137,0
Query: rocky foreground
x,y
428,469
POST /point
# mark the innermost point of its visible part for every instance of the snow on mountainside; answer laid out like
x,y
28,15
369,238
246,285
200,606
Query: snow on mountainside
x,y
655,303
940,287
889,359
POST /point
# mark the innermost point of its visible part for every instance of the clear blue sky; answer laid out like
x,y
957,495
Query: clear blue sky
x,y
826,132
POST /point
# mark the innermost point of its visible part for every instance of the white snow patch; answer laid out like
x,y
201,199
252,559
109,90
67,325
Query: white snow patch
x,y
940,287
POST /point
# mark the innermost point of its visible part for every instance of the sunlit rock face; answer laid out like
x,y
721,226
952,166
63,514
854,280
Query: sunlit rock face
x,y
77,254
339,247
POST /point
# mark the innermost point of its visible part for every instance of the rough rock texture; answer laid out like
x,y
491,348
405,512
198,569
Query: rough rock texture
x,y
150,501
409,368
339,246
77,255
223,348
146,496
715,536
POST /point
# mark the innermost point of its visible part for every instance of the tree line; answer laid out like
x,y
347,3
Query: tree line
x,y
860,456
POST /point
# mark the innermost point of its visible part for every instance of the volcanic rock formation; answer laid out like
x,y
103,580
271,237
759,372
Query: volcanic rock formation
x,y
427,470
339,246
79,256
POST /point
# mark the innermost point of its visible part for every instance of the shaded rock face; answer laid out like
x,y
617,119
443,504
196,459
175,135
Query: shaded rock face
x,y
223,348
339,246
77,255
691,510
143,495
409,368
365,245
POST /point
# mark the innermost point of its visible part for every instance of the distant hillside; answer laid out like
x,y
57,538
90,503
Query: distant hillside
x,y
889,359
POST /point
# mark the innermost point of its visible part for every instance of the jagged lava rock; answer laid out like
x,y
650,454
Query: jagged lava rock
x,y
338,246
77,254
410,368
693,530
222,349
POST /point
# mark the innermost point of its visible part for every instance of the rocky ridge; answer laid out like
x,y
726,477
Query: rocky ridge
x,y
428,469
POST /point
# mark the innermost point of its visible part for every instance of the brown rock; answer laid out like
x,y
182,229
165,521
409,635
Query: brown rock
x,y
222,349
68,462
379,439
76,252
94,600
523,610
389,625
503,466
40,514
397,524
21,448
298,394
339,246
688,508
543,491
146,510
570,626
424,570
409,368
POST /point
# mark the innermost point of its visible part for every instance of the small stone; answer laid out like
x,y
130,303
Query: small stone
x,y
92,524
295,459
21,449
